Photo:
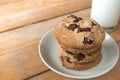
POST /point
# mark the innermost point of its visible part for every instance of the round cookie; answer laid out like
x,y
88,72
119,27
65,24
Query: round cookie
x,y
80,66
79,32
85,51
81,57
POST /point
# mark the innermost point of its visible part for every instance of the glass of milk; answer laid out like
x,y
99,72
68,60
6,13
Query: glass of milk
x,y
106,13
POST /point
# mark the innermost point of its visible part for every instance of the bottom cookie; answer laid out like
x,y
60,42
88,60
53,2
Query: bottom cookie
x,y
79,66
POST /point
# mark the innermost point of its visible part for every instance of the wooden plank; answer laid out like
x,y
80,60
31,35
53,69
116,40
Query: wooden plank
x,y
19,57
26,35
116,33
21,63
118,43
26,12
3,2
112,75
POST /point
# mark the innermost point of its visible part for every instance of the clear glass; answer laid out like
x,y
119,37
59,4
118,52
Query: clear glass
x,y
106,13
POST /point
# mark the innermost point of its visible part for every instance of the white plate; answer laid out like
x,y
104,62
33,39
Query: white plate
x,y
48,51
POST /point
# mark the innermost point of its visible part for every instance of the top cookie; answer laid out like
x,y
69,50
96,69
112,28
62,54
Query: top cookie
x,y
79,32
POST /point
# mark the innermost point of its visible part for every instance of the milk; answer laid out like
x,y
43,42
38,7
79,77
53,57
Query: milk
x,y
106,12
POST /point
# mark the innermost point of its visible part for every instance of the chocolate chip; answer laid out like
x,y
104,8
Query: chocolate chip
x,y
69,52
73,16
79,56
79,30
72,27
86,29
90,41
62,59
77,19
68,60
93,24
85,40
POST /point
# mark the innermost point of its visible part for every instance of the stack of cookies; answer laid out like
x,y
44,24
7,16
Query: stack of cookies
x,y
80,42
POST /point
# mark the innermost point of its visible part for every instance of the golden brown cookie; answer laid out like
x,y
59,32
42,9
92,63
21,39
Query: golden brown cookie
x,y
79,32
85,51
79,66
80,57
79,61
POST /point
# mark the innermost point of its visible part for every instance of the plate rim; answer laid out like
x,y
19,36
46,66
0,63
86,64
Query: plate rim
x,y
71,76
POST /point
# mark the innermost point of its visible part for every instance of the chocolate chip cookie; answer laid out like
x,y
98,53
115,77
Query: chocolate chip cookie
x,y
79,32
80,42
79,66
85,51
79,59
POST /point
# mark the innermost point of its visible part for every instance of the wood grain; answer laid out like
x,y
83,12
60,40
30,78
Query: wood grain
x,y
29,34
3,2
21,63
19,58
115,34
26,12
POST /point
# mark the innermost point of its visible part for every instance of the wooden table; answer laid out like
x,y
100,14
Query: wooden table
x,y
19,58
